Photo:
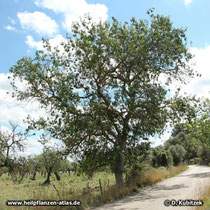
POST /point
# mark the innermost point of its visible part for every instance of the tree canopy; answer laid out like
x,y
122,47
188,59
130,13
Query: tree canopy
x,y
11,141
193,136
199,129
103,91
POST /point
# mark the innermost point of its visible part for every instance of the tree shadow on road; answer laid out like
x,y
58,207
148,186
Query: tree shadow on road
x,y
173,187
198,175
151,193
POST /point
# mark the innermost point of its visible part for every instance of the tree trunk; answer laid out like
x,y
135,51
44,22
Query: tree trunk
x,y
47,181
75,169
34,176
21,178
68,170
118,170
57,176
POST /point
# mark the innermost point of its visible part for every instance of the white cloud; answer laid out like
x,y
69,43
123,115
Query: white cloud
x,y
5,87
32,147
199,86
74,9
10,28
12,113
187,2
54,42
38,22
11,109
34,44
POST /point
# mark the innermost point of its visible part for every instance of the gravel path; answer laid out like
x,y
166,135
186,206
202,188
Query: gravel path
x,y
187,185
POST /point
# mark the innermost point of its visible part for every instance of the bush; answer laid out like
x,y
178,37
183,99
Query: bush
x,y
205,156
135,172
178,152
162,158
157,174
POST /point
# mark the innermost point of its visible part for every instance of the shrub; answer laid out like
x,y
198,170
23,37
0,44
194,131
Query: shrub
x,y
205,156
178,152
135,172
162,158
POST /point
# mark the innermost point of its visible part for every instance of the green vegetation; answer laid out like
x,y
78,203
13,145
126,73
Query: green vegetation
x,y
205,196
70,187
79,187
104,99
190,141
103,92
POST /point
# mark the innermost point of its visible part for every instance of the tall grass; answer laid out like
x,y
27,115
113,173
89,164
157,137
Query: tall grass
x,y
204,195
90,195
154,175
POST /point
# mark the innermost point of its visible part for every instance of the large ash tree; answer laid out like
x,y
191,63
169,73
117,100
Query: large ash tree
x,y
103,92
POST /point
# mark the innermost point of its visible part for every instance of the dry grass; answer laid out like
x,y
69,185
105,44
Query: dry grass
x,y
69,188
204,195
89,196
153,175
149,176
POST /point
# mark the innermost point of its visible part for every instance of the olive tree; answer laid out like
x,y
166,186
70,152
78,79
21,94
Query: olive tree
x,y
34,165
11,142
103,90
190,146
199,131
178,152
193,136
51,160
199,128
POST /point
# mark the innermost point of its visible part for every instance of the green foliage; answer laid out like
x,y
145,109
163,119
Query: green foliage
x,y
99,157
205,155
194,135
178,152
191,146
50,159
11,141
104,89
162,158
133,173
34,163
199,129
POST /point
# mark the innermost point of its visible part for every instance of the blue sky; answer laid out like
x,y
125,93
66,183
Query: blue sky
x,y
24,22
195,16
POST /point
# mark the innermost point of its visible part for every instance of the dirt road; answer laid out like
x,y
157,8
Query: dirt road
x,y
184,186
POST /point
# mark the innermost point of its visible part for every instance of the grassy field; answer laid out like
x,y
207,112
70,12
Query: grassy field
x,y
69,187
78,188
206,199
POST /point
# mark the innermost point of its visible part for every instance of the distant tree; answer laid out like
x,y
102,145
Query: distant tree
x,y
199,129
11,142
205,155
104,90
193,136
34,165
161,158
179,128
18,168
22,165
191,146
52,162
178,152
3,170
